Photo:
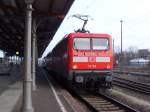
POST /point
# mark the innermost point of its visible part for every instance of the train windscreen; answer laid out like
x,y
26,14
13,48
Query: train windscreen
x,y
90,44
82,43
99,43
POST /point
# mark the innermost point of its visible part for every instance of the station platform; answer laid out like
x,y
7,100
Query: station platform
x,y
10,89
44,98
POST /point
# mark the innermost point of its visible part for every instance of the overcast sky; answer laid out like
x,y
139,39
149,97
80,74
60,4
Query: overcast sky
x,y
106,16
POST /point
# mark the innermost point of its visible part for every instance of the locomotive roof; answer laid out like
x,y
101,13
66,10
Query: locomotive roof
x,y
90,34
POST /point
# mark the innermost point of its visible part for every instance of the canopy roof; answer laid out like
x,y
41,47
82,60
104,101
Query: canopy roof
x,y
47,13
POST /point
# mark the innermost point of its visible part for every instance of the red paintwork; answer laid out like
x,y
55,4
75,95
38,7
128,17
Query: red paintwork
x,y
90,54
62,55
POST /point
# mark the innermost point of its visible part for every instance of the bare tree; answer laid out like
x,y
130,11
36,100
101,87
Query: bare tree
x,y
127,55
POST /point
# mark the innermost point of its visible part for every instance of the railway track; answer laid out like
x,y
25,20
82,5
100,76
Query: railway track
x,y
146,74
136,86
101,103
97,102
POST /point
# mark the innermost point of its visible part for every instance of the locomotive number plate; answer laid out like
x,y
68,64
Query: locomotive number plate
x,y
92,66
79,79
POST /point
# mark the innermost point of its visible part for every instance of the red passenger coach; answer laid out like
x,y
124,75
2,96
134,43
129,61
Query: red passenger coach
x,y
84,59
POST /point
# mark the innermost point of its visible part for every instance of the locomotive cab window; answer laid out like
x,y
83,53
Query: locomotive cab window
x,y
99,44
81,43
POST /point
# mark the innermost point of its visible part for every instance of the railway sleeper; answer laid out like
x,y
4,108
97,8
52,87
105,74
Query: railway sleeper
x,y
101,103
108,109
114,111
94,100
105,106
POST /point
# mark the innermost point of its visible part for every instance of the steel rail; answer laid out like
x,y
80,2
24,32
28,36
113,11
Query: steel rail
x,y
132,73
134,82
99,102
124,106
136,86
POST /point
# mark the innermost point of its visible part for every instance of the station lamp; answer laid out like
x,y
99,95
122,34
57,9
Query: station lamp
x,y
17,53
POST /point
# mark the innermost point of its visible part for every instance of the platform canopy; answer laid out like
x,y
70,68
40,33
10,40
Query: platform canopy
x,y
47,13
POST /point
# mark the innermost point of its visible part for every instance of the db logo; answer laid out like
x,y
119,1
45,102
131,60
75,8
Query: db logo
x,y
92,59
92,66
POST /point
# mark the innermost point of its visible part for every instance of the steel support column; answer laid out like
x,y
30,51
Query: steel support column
x,y
34,54
27,83
121,57
121,36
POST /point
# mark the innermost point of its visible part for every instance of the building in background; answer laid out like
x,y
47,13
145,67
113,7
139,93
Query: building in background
x,y
139,62
143,53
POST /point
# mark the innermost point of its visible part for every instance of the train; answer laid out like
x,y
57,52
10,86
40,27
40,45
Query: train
x,y
83,59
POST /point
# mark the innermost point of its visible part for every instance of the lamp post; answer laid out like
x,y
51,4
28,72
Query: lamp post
x,y
27,80
121,60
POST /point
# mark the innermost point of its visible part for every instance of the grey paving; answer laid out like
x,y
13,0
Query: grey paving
x,y
10,89
9,97
43,97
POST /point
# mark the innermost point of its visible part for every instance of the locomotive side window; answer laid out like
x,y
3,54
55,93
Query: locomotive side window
x,y
82,43
99,43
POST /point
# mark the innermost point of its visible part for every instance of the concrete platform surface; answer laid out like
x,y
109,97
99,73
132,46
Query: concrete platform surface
x,y
43,98
9,98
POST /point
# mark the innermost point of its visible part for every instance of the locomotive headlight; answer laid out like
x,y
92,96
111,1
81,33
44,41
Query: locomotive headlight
x,y
75,67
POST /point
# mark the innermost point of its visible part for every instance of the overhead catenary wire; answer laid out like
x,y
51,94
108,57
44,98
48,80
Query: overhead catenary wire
x,y
57,36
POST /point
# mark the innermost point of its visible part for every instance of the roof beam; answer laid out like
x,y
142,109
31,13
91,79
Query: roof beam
x,y
6,7
20,5
12,23
4,27
57,14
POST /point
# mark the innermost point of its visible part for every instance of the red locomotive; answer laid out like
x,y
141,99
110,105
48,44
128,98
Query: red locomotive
x,y
83,59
